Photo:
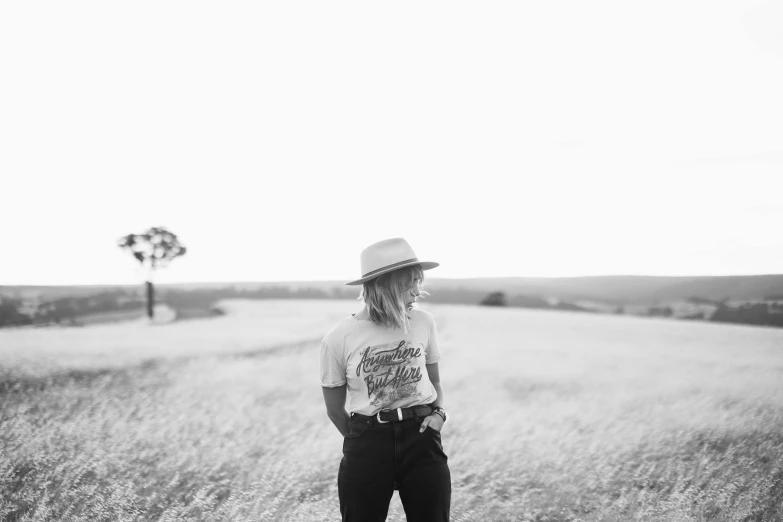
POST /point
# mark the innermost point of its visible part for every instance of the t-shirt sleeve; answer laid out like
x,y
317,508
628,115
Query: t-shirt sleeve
x,y
432,354
332,367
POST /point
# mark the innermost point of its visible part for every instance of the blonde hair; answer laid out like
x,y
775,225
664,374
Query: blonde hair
x,y
386,295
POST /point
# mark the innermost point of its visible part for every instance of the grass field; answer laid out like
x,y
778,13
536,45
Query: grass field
x,y
555,416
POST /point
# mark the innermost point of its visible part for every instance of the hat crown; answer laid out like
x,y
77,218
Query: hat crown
x,y
385,254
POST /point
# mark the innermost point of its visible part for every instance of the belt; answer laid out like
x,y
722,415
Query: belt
x,y
396,415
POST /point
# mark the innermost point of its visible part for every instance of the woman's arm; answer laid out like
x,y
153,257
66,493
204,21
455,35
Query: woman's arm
x,y
434,421
335,407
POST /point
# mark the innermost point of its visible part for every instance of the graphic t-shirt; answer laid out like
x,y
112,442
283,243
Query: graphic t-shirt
x,y
383,367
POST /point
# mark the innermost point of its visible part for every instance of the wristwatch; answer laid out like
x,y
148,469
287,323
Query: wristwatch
x,y
440,411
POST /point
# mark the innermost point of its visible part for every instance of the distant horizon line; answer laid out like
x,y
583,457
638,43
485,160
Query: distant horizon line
x,y
341,281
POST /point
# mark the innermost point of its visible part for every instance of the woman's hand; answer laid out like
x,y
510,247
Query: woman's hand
x,y
434,421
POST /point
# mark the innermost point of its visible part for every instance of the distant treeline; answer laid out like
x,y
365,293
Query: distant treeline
x,y
192,303
761,313
529,301
66,310
10,314
20,312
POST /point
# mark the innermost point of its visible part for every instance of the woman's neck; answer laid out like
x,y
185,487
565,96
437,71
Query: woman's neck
x,y
363,314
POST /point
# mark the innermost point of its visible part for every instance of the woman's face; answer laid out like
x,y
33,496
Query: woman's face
x,y
413,293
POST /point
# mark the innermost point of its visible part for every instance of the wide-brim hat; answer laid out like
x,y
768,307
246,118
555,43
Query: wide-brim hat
x,y
387,255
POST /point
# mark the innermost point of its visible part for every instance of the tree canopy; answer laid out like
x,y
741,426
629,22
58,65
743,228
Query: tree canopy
x,y
155,248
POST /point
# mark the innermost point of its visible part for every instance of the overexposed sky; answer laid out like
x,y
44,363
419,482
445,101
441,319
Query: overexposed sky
x,y
500,138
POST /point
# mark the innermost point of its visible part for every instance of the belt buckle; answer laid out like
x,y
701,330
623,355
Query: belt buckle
x,y
399,416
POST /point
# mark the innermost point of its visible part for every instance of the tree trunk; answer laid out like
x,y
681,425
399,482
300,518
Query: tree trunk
x,y
150,300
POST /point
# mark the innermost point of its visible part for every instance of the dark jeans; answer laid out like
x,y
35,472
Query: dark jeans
x,y
379,458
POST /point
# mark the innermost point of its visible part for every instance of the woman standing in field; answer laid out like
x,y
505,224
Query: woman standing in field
x,y
385,359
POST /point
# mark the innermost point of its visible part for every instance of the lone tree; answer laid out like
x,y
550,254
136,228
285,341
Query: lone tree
x,y
153,249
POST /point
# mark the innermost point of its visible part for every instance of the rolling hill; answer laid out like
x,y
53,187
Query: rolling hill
x,y
619,290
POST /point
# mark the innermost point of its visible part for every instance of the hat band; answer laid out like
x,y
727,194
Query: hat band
x,y
415,259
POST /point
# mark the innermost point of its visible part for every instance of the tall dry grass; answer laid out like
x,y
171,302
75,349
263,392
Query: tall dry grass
x,y
555,417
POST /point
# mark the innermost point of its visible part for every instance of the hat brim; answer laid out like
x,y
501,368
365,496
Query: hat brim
x,y
425,265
